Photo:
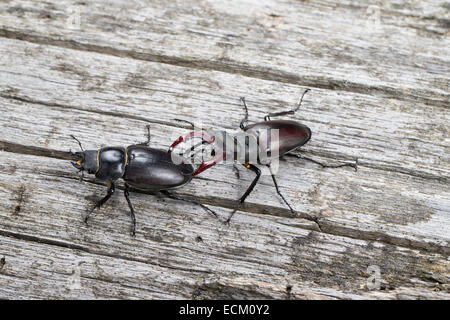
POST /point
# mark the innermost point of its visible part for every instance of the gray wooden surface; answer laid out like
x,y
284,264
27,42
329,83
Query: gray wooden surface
x,y
379,74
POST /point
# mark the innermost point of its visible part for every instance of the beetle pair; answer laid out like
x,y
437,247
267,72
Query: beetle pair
x,y
149,169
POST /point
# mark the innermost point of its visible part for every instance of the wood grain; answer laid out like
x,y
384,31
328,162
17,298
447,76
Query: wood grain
x,y
379,75
278,252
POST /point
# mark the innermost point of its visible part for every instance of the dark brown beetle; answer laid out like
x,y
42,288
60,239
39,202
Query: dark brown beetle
x,y
290,135
141,167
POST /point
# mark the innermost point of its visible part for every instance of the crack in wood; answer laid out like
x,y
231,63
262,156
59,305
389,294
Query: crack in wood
x,y
178,124
230,67
72,246
322,225
382,69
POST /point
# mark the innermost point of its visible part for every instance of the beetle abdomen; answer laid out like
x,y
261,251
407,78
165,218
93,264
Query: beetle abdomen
x,y
291,135
153,169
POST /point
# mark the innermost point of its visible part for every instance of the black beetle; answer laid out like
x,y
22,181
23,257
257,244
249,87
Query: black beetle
x,y
291,135
141,167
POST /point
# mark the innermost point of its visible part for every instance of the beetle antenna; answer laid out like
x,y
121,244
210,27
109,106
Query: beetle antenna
x,y
242,124
79,143
301,100
292,111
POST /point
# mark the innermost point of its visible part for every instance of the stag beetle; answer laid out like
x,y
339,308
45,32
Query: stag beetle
x,y
141,167
291,135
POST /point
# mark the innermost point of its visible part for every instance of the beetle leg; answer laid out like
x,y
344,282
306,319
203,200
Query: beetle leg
x,y
111,189
236,171
133,218
256,170
282,113
81,175
325,165
146,143
172,196
242,124
278,190
309,217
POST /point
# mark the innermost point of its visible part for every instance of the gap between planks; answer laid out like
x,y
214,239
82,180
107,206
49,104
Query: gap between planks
x,y
326,227
232,68
11,147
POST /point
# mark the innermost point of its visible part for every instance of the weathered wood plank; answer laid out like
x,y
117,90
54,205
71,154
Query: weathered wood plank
x,y
366,206
44,237
153,62
382,133
377,48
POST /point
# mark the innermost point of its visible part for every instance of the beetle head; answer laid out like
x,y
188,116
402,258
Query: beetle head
x,y
86,161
